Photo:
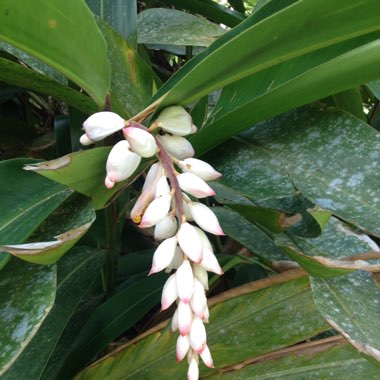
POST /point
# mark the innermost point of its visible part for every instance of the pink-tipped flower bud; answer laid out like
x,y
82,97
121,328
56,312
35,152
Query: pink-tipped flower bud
x,y
193,371
185,281
121,163
186,208
200,274
175,120
206,357
210,262
177,146
182,347
204,239
163,255
102,124
192,184
190,242
142,142
165,228
154,173
84,140
162,187
156,211
174,322
198,300
197,335
185,317
169,292
200,168
177,260
205,218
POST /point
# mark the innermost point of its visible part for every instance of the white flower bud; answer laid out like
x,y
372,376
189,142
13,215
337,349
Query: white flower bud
x,y
206,357
190,242
182,347
177,260
177,146
185,281
169,292
174,323
204,239
201,275
206,315
165,228
121,163
84,140
198,300
162,187
156,211
186,208
193,371
200,168
142,142
154,173
141,204
163,255
192,184
102,124
185,317
205,218
175,120
210,262
197,335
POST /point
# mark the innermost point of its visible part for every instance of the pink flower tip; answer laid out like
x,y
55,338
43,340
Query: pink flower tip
x,y
109,183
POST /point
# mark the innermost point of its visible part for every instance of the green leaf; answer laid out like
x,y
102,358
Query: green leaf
x,y
288,85
18,223
374,86
60,41
27,294
115,316
351,102
67,224
248,234
75,273
246,49
172,27
350,304
22,76
273,318
325,360
328,255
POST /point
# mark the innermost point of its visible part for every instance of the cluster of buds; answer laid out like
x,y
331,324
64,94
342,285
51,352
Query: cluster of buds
x,y
168,204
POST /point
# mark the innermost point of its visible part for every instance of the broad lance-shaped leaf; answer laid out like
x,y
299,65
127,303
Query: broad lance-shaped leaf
x,y
351,305
60,41
254,46
329,254
300,149
288,85
274,317
172,27
85,171
326,359
27,294
33,207
67,224
75,274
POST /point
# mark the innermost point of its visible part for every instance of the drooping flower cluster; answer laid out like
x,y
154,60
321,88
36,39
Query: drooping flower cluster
x,y
169,204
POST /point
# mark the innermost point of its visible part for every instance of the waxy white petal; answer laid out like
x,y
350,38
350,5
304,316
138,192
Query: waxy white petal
x,y
192,184
156,211
200,168
185,317
142,142
177,260
204,239
175,120
163,255
154,173
206,315
185,281
205,218
121,163
169,292
210,262
102,124
177,146
206,357
182,347
162,187
197,335
174,323
193,371
198,300
201,275
165,228
141,204
190,242
85,140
